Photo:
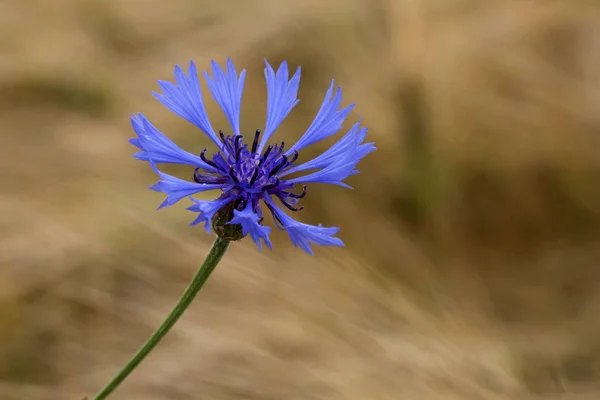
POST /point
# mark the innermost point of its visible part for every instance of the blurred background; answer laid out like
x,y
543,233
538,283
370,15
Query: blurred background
x,y
471,266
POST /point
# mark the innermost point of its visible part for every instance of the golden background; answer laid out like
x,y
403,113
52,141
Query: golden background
x,y
471,266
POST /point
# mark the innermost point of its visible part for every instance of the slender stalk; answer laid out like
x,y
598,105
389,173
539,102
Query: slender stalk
x,y
212,259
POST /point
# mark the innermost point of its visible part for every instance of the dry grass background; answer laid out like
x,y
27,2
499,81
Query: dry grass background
x,y
473,235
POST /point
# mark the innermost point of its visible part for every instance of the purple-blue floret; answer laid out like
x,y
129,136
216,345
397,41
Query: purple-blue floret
x,y
251,174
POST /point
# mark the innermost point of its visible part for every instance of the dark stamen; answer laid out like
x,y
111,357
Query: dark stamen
x,y
289,206
232,175
237,153
269,148
278,222
198,177
283,163
237,141
226,145
206,160
297,196
254,176
255,142
211,179
264,157
294,157
282,146
272,185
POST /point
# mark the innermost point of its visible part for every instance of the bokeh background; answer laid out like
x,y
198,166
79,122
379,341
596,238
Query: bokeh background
x,y
471,266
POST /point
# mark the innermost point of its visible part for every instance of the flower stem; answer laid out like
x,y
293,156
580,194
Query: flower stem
x,y
212,259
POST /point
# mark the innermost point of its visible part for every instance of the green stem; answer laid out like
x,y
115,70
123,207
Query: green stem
x,y
212,259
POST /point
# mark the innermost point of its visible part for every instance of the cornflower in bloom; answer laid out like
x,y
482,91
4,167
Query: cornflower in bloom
x,y
251,174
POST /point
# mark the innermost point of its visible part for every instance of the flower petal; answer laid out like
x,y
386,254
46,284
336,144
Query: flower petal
x,y
301,234
337,162
345,147
160,149
176,189
185,99
248,219
328,121
226,88
281,98
208,208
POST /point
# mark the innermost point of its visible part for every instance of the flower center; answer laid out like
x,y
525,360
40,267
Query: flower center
x,y
250,174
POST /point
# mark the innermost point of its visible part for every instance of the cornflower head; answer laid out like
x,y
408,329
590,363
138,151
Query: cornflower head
x,y
250,174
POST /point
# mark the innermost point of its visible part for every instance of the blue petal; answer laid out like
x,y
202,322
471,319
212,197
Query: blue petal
x,y
328,121
176,189
248,219
302,235
160,149
333,175
227,90
281,98
208,208
337,162
185,99
348,147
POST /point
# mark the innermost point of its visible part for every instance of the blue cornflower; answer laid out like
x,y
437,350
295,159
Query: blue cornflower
x,y
251,174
